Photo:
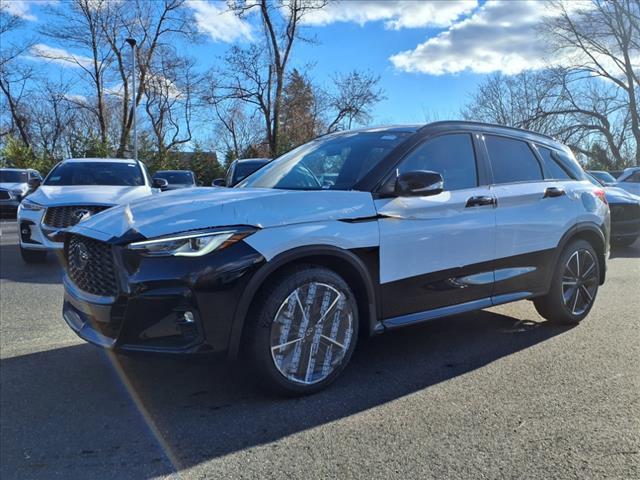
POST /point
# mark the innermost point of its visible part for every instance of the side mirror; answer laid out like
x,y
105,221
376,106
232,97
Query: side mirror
x,y
34,184
160,183
419,183
219,182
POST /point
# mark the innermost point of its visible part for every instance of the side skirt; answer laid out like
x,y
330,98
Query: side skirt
x,y
421,317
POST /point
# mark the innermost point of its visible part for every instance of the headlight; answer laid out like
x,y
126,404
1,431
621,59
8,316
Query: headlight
x,y
18,193
29,205
192,244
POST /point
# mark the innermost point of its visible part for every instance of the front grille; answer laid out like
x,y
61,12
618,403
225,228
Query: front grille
x,y
4,195
624,212
90,266
63,217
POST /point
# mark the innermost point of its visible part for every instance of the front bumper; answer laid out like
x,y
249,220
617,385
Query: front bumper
x,y
176,305
32,235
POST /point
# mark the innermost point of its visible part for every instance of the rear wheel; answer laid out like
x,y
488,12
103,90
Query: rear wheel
x,y
574,285
33,256
304,331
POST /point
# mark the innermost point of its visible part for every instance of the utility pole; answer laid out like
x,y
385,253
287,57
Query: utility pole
x,y
132,42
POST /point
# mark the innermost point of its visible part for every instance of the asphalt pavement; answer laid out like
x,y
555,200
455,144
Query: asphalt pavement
x,y
494,394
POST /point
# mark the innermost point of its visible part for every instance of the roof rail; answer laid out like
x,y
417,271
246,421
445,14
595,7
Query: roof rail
x,y
486,124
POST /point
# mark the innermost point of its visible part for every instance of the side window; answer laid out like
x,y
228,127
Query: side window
x,y
451,156
635,178
552,166
512,160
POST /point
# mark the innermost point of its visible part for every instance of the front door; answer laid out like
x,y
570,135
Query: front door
x,y
437,251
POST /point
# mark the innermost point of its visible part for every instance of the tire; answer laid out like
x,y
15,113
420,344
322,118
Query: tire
x,y
623,241
33,256
280,341
573,287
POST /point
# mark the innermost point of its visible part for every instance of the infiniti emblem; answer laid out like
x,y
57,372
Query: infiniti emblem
x,y
81,214
81,255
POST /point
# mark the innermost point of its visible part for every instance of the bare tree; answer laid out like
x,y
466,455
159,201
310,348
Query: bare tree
x,y
355,94
600,41
14,78
153,25
281,21
79,26
170,92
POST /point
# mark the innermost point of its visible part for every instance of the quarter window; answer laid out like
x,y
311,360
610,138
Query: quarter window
x,y
556,172
451,156
512,160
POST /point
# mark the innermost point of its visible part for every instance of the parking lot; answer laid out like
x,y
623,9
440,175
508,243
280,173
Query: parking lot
x,y
494,394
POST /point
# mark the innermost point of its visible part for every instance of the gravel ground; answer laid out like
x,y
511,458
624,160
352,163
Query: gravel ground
x,y
494,394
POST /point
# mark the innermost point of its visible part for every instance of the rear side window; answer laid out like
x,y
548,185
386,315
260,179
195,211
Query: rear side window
x,y
551,165
635,178
512,160
451,156
569,162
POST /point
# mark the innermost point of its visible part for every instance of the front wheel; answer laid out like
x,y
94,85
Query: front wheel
x,y
303,331
574,285
33,256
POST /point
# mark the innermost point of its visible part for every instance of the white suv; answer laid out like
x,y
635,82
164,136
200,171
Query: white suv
x,y
75,190
350,235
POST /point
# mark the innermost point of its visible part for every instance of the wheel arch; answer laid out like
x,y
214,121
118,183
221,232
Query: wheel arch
x,y
344,262
593,234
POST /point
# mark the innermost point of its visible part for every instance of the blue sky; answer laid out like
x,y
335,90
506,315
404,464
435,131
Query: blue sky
x,y
430,55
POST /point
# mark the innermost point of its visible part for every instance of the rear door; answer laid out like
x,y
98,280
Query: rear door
x,y
437,251
532,215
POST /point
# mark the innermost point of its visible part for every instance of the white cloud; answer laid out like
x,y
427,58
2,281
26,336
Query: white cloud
x,y
396,14
20,8
215,20
40,51
499,36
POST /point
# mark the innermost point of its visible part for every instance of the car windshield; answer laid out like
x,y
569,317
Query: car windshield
x,y
176,177
597,182
95,173
13,176
605,177
333,162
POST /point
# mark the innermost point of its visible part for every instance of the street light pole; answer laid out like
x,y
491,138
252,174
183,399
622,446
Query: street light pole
x,y
132,42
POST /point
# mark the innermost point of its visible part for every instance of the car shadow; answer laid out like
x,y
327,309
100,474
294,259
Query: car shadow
x,y
88,407
13,268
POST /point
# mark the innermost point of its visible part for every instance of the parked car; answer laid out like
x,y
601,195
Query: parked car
x,y
74,191
629,180
14,186
625,214
615,173
177,178
239,170
420,222
604,178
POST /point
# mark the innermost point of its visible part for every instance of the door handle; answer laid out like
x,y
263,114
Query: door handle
x,y
480,201
551,192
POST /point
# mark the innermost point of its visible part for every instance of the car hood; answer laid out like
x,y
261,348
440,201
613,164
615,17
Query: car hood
x,y
618,195
198,208
13,185
87,194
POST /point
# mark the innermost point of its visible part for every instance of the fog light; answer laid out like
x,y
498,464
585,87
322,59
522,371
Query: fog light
x,y
188,317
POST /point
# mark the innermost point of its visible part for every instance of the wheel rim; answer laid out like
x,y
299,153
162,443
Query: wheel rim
x,y
579,281
311,333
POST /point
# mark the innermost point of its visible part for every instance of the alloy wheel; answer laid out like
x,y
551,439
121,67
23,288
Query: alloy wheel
x,y
579,281
311,333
